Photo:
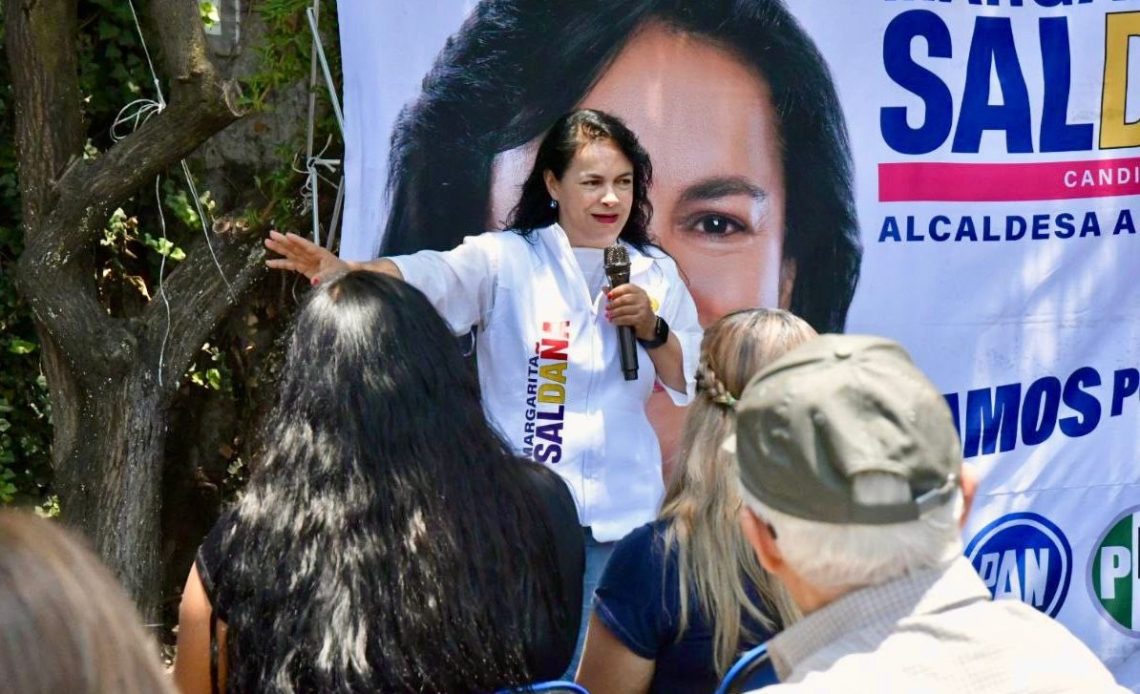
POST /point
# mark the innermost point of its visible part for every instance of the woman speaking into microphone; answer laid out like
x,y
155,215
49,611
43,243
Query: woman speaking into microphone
x,y
547,344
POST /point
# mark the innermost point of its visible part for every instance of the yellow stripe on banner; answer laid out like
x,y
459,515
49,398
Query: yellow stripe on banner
x,y
1115,131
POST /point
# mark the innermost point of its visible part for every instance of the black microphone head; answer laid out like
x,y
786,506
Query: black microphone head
x,y
616,256
616,259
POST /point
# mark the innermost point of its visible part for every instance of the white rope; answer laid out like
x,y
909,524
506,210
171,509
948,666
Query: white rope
x,y
311,13
149,62
161,287
205,231
310,190
312,84
134,115
337,206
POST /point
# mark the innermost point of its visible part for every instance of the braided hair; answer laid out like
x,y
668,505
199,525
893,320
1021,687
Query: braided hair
x,y
710,385
702,500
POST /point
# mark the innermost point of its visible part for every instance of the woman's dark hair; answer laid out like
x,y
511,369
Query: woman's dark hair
x,y
562,142
388,541
516,65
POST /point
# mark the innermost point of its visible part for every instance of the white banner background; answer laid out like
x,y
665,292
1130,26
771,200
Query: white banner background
x,y
974,314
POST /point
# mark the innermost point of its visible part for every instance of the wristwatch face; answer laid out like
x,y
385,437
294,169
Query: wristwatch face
x,y
660,334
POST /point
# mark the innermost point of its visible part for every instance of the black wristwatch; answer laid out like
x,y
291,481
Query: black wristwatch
x,y
660,335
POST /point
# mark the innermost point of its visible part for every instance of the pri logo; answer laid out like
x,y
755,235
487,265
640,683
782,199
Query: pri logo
x,y
1114,578
1026,557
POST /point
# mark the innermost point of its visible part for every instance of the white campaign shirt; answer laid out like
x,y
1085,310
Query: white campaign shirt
x,y
549,367
592,263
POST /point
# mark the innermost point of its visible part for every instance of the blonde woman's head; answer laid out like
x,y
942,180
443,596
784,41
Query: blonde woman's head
x,y
737,346
702,499
733,350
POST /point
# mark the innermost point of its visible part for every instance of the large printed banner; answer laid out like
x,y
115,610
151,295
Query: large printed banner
x,y
985,154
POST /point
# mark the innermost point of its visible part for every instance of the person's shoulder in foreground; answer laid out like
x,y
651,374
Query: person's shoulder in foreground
x,y
935,631
850,466
551,645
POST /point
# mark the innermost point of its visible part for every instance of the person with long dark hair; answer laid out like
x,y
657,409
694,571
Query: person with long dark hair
x,y
388,539
547,346
753,184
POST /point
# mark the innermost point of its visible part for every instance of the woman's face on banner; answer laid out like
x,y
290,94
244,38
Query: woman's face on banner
x,y
710,128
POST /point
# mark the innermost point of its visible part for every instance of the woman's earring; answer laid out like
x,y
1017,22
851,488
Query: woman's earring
x,y
554,204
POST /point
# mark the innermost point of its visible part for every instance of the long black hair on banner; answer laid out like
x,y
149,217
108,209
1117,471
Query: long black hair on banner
x,y
388,541
515,66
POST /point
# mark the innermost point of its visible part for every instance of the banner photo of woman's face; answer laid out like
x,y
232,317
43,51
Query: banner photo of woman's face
x,y
960,176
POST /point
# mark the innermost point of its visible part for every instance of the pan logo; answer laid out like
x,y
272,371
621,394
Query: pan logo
x,y
1114,577
1026,557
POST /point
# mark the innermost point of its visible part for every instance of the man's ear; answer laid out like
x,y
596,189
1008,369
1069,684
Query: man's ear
x,y
760,537
968,481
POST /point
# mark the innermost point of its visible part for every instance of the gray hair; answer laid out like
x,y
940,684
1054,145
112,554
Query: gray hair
x,y
846,557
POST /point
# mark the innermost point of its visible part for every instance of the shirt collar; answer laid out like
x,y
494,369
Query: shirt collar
x,y
923,592
555,236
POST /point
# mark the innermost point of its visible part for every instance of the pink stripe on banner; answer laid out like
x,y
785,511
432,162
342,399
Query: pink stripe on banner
x,y
931,181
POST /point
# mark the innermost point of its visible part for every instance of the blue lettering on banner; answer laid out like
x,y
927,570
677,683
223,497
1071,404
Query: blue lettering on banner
x,y
1057,135
1125,382
967,228
939,102
1024,556
996,419
992,51
1009,3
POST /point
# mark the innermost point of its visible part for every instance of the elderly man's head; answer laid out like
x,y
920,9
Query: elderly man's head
x,y
850,466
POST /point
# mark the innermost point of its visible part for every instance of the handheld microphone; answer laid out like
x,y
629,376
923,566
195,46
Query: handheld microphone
x,y
617,272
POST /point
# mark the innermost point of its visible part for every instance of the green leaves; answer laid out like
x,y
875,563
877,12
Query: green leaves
x,y
179,202
208,11
111,62
18,346
209,370
7,489
164,247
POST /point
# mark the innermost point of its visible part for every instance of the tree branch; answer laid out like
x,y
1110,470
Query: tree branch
x,y
201,104
199,298
55,271
41,43
44,66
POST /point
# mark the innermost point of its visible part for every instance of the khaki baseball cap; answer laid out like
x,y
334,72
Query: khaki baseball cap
x,y
837,406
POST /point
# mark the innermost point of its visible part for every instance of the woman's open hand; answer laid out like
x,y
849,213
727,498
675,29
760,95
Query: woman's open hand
x,y
302,255
629,305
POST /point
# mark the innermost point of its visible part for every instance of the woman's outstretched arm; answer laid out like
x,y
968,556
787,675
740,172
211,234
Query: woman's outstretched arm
x,y
315,262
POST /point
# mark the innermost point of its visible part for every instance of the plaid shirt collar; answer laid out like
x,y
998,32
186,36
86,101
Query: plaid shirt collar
x,y
877,608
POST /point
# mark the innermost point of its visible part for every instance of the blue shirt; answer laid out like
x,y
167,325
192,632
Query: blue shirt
x,y
638,599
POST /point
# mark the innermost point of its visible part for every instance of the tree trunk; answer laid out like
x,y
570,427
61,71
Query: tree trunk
x,y
112,379
109,479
